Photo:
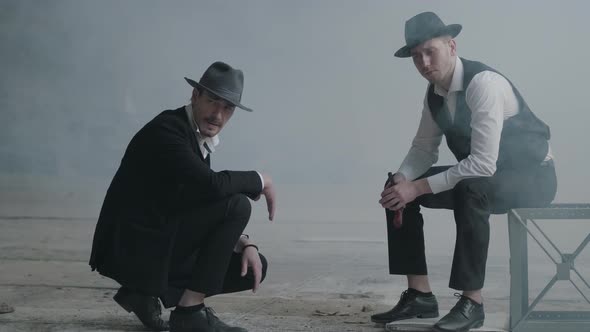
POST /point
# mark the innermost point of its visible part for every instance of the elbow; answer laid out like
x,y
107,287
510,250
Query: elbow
x,y
489,169
434,158
483,165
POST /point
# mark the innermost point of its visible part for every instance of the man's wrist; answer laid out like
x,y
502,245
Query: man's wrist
x,y
261,180
422,187
252,245
243,241
399,177
244,245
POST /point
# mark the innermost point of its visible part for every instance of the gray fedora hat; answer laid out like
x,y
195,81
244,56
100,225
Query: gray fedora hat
x,y
423,27
223,81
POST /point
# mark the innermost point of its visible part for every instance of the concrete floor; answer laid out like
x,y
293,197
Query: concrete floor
x,y
322,277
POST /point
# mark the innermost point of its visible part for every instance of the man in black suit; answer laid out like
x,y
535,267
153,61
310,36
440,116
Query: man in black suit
x,y
171,227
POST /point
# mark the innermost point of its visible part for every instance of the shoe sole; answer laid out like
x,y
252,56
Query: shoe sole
x,y
421,316
477,325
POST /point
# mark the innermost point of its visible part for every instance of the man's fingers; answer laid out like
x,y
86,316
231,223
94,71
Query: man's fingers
x,y
388,197
398,206
392,190
269,194
270,204
387,191
385,199
257,275
392,202
271,211
389,204
244,266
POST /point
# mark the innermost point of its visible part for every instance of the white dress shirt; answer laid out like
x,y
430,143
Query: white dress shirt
x,y
491,100
206,144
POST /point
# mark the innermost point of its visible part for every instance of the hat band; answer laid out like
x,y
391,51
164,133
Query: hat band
x,y
229,95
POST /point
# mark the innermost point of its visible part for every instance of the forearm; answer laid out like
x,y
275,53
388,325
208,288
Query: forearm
x,y
417,162
424,150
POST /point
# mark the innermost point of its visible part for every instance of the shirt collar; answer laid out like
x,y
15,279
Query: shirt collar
x,y
456,81
206,144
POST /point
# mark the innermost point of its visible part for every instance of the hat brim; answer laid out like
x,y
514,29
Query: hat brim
x,y
196,84
452,30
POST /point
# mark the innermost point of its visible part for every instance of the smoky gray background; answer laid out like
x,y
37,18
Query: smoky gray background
x,y
334,109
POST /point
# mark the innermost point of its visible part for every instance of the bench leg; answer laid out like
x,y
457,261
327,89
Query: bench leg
x,y
519,288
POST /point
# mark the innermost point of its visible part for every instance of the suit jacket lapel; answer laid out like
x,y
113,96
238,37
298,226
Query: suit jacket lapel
x,y
193,137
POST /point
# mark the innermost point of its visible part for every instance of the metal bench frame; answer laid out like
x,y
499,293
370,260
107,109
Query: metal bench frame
x,y
523,318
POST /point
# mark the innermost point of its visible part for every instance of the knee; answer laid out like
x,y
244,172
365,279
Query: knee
x,y
264,267
471,188
240,206
472,193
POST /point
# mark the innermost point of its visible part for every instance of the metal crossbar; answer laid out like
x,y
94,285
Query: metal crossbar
x,y
522,316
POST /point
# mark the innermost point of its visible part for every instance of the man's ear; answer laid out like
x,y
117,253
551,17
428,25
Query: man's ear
x,y
453,47
195,95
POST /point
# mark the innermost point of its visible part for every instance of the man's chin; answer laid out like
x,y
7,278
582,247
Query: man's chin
x,y
209,132
432,80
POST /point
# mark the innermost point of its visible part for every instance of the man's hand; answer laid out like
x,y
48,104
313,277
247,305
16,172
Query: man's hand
x,y
397,196
397,178
250,258
269,194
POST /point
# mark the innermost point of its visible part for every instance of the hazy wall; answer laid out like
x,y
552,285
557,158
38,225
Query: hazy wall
x,y
334,110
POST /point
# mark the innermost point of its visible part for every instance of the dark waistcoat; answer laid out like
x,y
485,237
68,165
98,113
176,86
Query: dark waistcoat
x,y
524,139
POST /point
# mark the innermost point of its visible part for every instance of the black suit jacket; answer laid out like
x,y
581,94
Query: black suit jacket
x,y
161,175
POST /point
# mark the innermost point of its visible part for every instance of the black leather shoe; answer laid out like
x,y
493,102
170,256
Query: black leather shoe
x,y
203,320
411,304
466,314
146,308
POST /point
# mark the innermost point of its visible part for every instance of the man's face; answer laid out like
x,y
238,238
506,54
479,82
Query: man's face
x,y
434,59
211,113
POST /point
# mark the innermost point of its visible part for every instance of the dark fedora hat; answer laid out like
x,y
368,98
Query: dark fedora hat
x,y
223,81
423,27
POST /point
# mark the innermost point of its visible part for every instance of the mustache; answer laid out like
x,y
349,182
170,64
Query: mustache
x,y
213,121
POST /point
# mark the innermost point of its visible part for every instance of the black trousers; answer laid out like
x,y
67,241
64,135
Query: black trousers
x,y
472,201
203,259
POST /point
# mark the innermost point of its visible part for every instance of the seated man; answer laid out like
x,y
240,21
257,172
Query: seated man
x,y
170,227
504,162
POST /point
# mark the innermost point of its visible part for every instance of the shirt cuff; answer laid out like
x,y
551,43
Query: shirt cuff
x,y
261,180
438,182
